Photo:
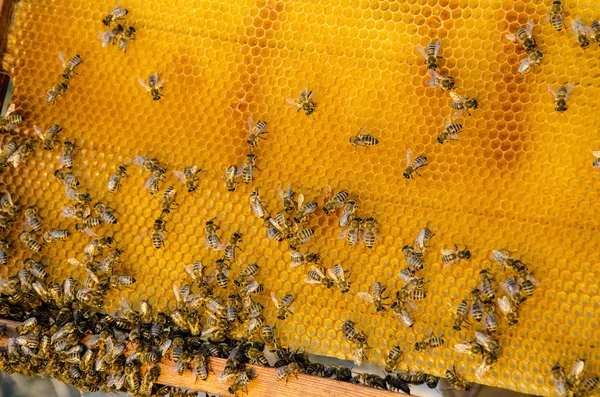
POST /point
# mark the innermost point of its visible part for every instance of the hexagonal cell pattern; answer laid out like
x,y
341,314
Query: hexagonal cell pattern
x,y
519,178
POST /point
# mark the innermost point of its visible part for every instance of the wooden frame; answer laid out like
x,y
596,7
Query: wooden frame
x,y
6,15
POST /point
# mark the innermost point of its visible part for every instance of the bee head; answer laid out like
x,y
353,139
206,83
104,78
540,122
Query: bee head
x,y
472,103
406,174
440,139
107,20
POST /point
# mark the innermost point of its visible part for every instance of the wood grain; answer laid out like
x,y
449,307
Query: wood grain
x,y
6,14
266,384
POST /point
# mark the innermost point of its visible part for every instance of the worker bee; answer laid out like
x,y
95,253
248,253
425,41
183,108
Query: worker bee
x,y
232,246
105,213
339,278
20,154
476,305
376,297
561,96
158,233
30,242
304,102
257,206
437,80
411,281
455,380
429,342
66,156
283,305
48,138
486,288
110,35
348,213
56,235
121,281
7,150
527,281
281,223
559,379
168,200
114,182
70,65
66,178
32,220
351,334
125,37
460,315
351,233
576,376
299,258
430,53
303,236
116,14
4,255
201,367
393,359
596,31
363,139
222,273
450,132
422,239
524,36
240,384
304,209
255,132
87,224
452,256
210,236
152,184
462,104
146,163
79,197
316,276
582,32
334,203
189,177
504,258
153,86
246,274
509,310
96,245
414,260
248,168
10,119
371,232
513,290
412,167
53,93
231,173
412,293
556,16
534,58
287,197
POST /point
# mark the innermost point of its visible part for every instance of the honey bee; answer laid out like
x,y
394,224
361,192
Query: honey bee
x,y
460,315
534,58
304,102
121,281
240,384
125,37
281,223
246,274
146,163
283,305
430,54
412,167
105,213
450,132
409,278
490,322
66,178
152,184
116,14
513,290
231,173
596,31
30,242
80,198
287,197
476,305
376,297
486,286
53,93
371,232
232,246
114,182
439,81
363,139
587,386
222,273
299,258
453,256
303,236
257,206
66,156
255,132
87,224
462,104
32,220
527,281
316,276
351,233
189,177
455,380
429,342
168,200
20,154
7,150
304,209
4,255
153,86
334,203
348,213
393,359
201,367
422,239
414,260
96,245
556,16
524,36
56,235
582,33
508,310
110,35
561,96
248,168
158,233
576,376
70,65
10,120
559,379
210,236
49,137
339,279
504,258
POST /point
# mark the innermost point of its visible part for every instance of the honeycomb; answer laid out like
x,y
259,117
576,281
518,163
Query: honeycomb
x,y
519,178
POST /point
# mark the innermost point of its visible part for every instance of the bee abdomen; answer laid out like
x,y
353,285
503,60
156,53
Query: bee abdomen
x,y
368,140
557,22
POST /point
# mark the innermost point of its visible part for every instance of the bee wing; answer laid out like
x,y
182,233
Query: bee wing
x,y
124,43
511,37
435,78
300,201
274,299
362,130
577,27
332,275
448,252
546,19
275,224
149,182
456,97
309,280
292,102
366,297
405,277
411,305
11,108
458,114
62,59
307,94
280,193
529,28
38,132
464,348
75,262
344,233
180,175
533,280
105,37
250,124
570,88
596,153
143,83
319,272
422,51
552,91
505,305
408,156
438,44
482,370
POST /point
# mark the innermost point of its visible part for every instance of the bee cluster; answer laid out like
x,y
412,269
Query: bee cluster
x,y
119,34
69,71
577,383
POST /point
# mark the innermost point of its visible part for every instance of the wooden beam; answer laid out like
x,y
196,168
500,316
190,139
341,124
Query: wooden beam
x,y
266,383
6,16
